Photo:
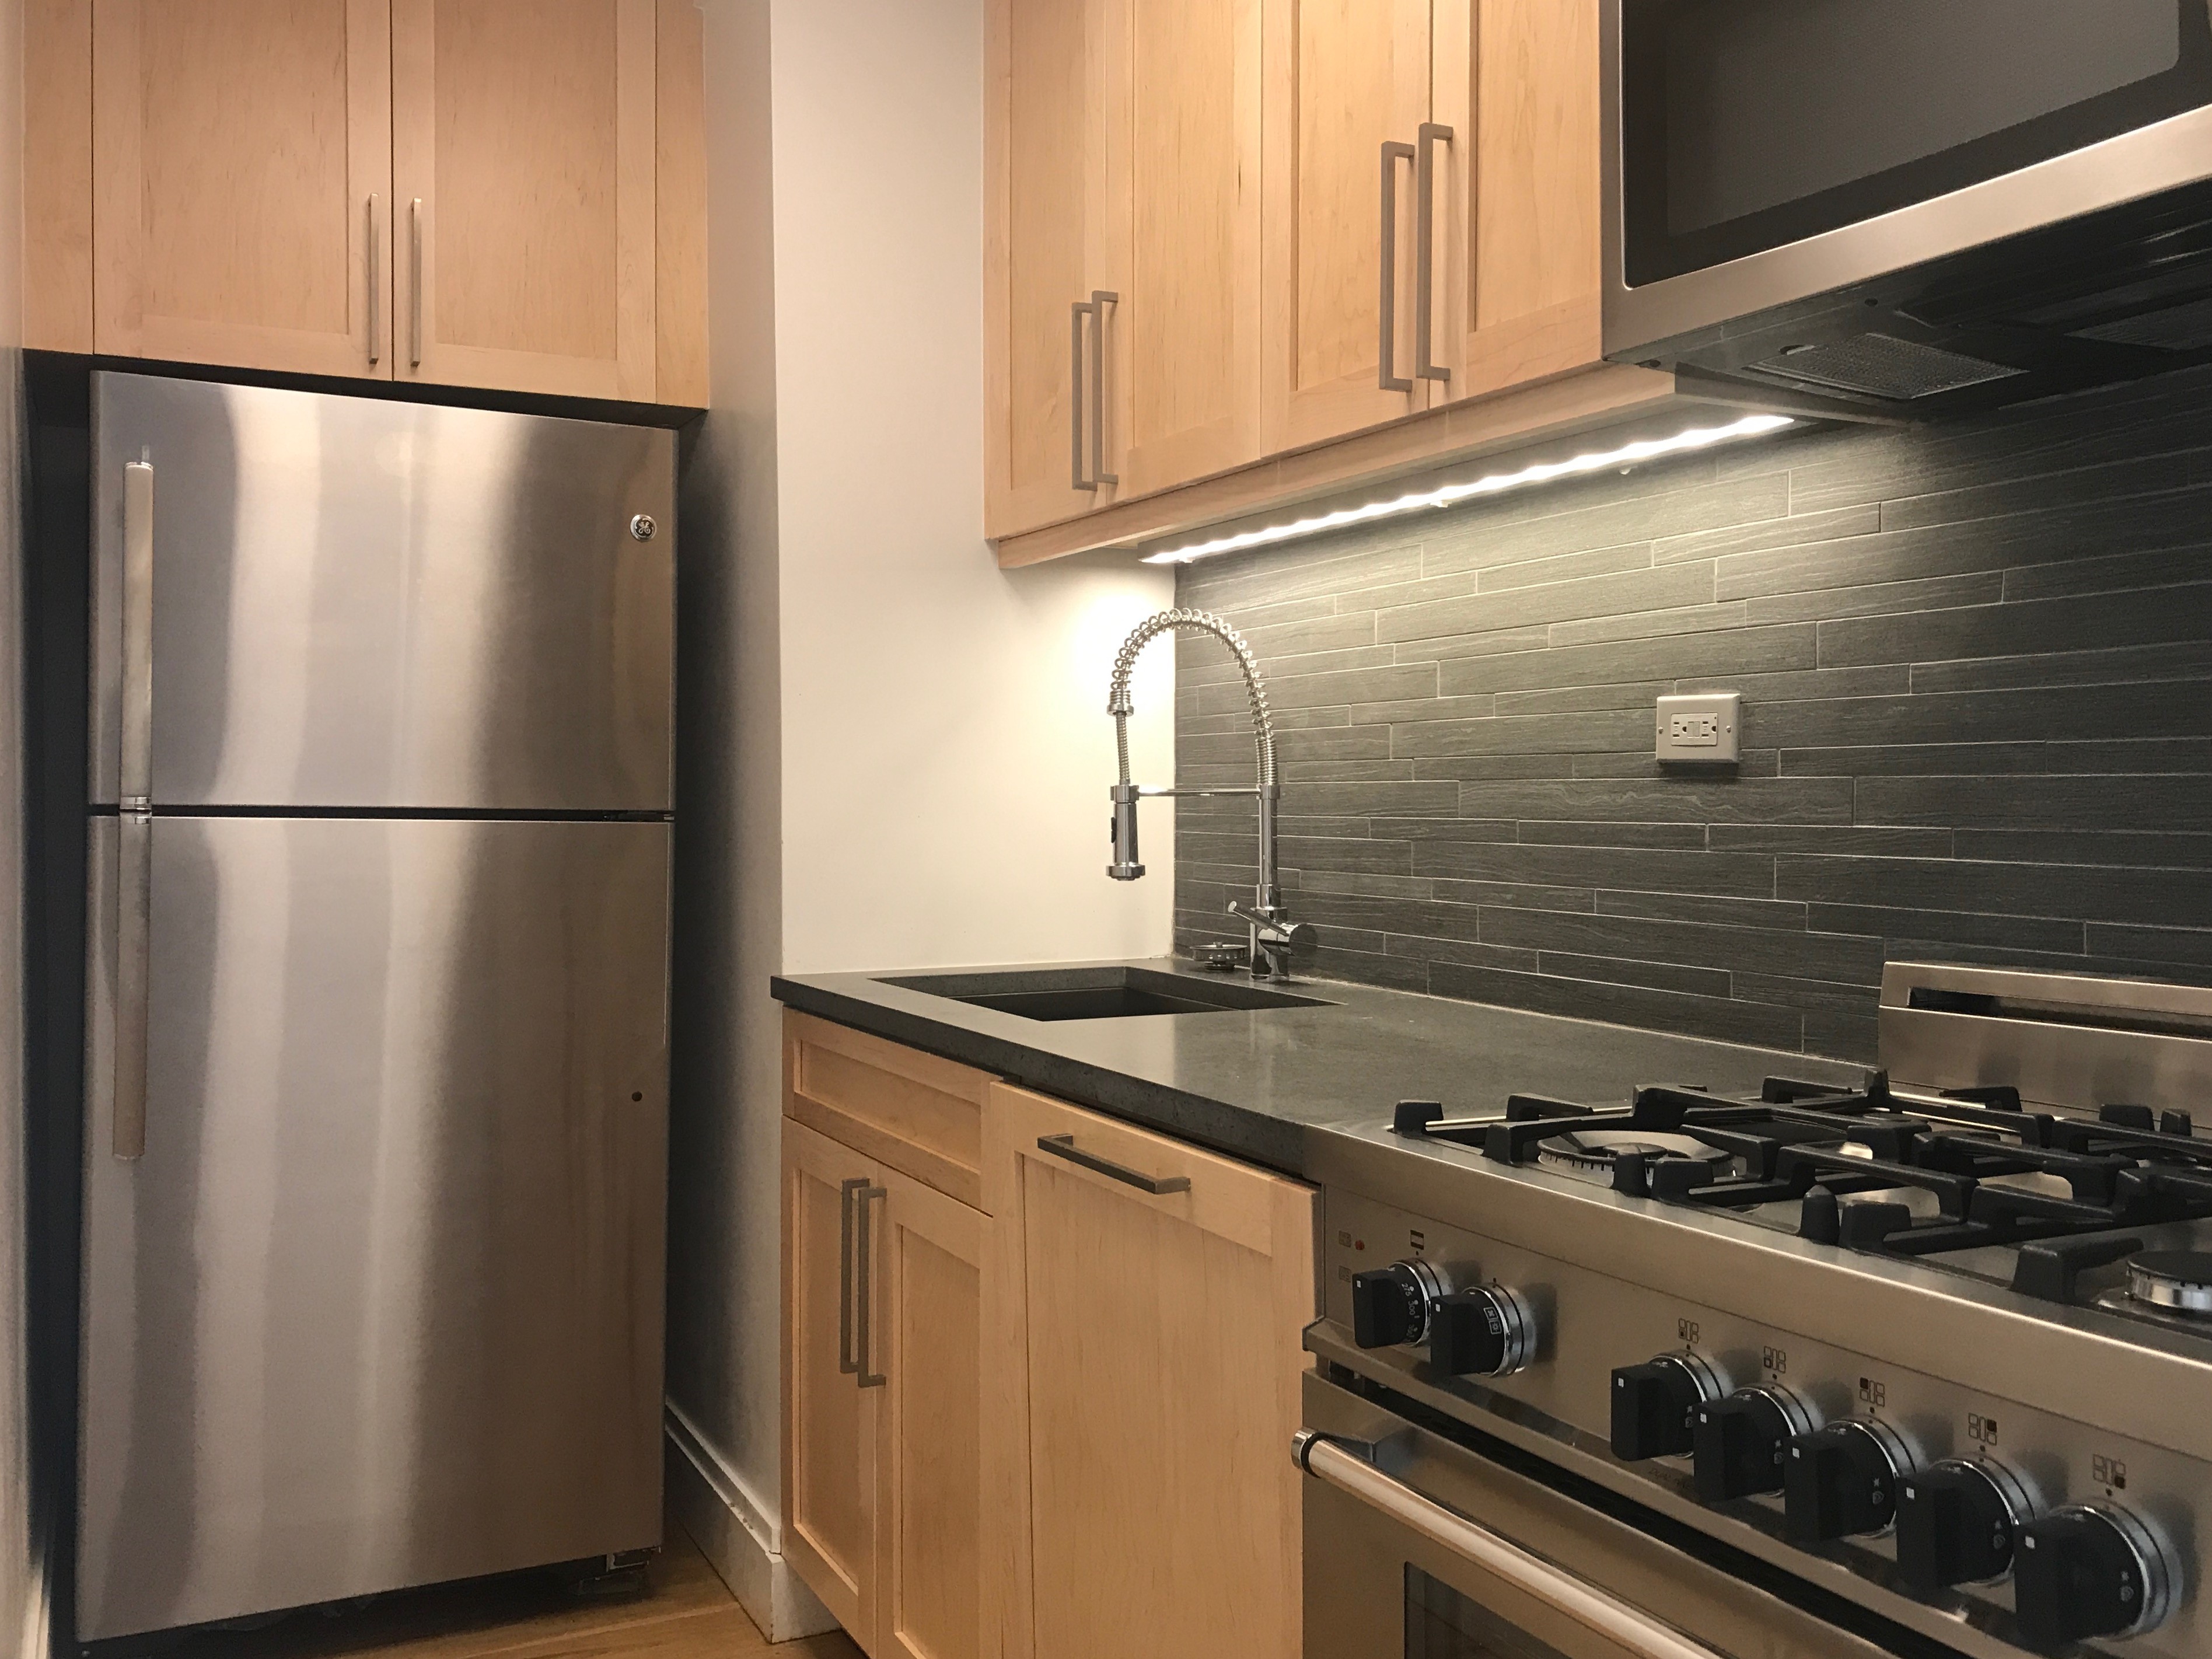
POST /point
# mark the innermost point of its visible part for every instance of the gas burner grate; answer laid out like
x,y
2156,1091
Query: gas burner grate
x,y
1906,1173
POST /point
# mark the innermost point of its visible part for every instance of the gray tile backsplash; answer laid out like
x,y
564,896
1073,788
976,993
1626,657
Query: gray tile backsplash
x,y
1976,663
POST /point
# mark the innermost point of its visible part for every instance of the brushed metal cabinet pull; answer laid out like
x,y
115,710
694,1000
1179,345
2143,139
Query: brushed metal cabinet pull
x,y
1425,243
1075,480
848,1363
134,841
864,1318
375,299
1633,1632
1158,1186
1099,301
415,283
1387,362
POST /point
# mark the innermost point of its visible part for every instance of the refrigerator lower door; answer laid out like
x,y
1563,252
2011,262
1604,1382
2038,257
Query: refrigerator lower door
x,y
381,1303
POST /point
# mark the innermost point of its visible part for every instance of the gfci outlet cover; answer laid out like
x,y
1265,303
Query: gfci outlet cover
x,y
1701,731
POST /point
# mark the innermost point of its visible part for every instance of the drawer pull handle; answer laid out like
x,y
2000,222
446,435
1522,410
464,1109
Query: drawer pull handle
x,y
1158,1186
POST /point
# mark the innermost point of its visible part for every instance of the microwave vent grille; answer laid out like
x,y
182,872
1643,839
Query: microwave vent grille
x,y
2185,327
1883,366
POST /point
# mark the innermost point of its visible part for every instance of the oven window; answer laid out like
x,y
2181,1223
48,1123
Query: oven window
x,y
1747,124
1442,1623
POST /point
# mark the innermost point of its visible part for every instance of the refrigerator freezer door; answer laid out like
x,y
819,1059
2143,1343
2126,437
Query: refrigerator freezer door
x,y
381,1303
363,603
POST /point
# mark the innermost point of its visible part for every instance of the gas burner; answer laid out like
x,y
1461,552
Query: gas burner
x,y
2179,1281
1613,1157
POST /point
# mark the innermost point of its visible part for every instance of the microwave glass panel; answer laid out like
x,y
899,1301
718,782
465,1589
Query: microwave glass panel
x,y
1747,124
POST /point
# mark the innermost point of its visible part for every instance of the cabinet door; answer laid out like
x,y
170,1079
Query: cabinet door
x,y
928,1251
1344,77
828,1419
1141,1355
1518,215
523,171
242,195
1183,340
1044,137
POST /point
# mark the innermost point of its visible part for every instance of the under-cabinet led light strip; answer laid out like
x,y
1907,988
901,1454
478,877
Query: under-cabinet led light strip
x,y
1697,437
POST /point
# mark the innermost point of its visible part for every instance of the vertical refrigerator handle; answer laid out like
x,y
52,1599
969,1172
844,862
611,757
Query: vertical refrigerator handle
x,y
134,841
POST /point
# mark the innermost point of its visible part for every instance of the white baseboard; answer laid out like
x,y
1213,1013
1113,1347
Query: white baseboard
x,y
733,1530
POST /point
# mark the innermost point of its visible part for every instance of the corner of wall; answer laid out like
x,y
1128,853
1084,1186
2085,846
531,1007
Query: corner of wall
x,y
732,1529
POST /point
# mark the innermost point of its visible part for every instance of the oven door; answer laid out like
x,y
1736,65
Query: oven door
x,y
1416,1547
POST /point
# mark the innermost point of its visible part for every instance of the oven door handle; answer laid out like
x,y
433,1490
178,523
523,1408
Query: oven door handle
x,y
1634,1632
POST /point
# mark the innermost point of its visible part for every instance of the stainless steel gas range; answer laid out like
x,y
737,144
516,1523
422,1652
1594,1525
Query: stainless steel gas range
x,y
1920,1365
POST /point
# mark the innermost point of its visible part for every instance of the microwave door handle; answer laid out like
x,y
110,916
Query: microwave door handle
x,y
1634,1632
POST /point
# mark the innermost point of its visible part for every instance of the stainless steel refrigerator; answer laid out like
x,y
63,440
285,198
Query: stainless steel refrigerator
x,y
376,1071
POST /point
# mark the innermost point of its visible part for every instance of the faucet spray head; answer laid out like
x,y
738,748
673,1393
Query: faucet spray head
x,y
1126,866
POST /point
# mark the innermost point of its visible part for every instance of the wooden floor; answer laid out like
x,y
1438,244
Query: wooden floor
x,y
686,1614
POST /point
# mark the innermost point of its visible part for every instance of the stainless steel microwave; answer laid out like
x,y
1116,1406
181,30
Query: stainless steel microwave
x,y
1905,207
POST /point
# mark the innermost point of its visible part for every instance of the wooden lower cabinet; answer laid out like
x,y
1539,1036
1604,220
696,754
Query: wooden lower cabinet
x,y
929,1260
829,1449
1141,1366
882,1307
1058,1426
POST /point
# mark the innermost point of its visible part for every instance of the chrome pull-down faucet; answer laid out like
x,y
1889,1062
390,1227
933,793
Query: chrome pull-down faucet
x,y
1275,939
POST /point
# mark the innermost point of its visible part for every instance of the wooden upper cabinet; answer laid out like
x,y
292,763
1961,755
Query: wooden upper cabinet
x,y
1045,173
1516,273
1182,348
240,160
236,183
523,169
1345,78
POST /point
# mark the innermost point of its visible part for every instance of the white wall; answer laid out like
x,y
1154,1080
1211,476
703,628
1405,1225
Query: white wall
x,y
895,755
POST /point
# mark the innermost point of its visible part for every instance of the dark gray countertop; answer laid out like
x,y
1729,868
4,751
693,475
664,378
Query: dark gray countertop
x,y
1259,1084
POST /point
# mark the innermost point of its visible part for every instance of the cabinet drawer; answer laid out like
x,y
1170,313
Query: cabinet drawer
x,y
920,1114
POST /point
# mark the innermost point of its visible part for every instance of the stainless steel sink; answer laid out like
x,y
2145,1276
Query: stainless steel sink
x,y
1054,994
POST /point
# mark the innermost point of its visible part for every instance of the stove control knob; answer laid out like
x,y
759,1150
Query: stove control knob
x,y
1738,1442
1955,1524
1841,1481
2086,1571
1391,1304
1489,1332
1655,1406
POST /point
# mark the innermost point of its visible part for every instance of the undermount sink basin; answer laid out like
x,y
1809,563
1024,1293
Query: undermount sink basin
x,y
1101,992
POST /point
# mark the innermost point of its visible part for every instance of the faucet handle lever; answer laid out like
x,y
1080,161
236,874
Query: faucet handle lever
x,y
1278,931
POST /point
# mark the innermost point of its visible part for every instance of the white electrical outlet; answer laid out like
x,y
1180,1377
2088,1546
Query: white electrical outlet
x,y
1701,730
